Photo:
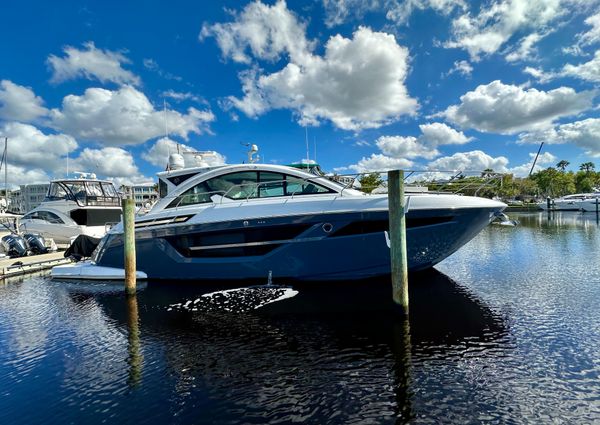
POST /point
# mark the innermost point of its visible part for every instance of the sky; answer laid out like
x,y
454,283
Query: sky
x,y
368,85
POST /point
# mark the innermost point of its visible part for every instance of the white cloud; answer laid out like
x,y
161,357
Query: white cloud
x,y
584,134
123,117
109,162
19,103
432,136
469,161
357,84
498,21
462,67
378,162
91,63
588,71
509,109
153,66
543,161
29,147
526,49
179,96
18,175
159,153
398,11
591,36
267,31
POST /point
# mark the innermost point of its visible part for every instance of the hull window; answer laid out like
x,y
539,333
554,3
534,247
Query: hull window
x,y
374,226
235,243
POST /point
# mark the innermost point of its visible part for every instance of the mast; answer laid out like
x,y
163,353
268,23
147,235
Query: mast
x,y
536,158
6,171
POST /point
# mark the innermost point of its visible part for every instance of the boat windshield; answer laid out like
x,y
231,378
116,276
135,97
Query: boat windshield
x,y
84,192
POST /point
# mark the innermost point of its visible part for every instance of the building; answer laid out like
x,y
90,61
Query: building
x,y
32,195
142,194
15,202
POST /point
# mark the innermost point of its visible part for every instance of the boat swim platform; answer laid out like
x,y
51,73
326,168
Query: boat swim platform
x,y
18,266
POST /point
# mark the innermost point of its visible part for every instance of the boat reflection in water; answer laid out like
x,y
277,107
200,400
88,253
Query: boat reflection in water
x,y
337,353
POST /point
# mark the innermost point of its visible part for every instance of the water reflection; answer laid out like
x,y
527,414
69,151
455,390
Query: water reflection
x,y
334,353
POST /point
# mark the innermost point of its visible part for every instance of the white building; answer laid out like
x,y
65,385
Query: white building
x,y
32,195
142,194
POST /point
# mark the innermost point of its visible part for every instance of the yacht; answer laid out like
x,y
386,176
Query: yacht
x,y
574,202
249,220
72,207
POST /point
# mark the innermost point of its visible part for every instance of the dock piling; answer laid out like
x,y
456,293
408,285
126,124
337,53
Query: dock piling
x,y
129,245
397,233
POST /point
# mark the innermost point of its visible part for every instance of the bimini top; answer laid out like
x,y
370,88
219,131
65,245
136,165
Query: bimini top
x,y
85,192
242,181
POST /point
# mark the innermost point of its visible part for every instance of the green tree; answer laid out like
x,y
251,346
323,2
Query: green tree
x,y
562,165
368,182
587,167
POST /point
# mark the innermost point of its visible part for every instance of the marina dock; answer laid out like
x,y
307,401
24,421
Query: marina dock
x,y
10,267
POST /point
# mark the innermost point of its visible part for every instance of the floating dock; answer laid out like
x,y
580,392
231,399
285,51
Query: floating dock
x,y
10,267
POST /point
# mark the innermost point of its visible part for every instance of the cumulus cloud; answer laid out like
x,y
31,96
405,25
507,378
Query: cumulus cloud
x,y
542,162
29,147
379,162
591,36
159,153
19,103
91,63
469,161
498,21
357,84
432,136
509,109
110,162
584,134
123,117
266,31
18,175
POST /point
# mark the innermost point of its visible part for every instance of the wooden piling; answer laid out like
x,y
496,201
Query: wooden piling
x,y
397,235
548,203
129,244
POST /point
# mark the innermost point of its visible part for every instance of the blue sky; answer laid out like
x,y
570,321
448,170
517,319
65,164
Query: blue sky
x,y
376,84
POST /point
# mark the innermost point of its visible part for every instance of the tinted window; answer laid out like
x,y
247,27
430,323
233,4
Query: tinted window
x,y
298,186
235,185
198,194
271,184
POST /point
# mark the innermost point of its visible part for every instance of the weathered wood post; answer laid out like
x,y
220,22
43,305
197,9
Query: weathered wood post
x,y
548,202
397,232
597,199
129,244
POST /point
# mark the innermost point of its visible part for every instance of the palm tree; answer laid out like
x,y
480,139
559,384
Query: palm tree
x,y
587,167
562,165
488,172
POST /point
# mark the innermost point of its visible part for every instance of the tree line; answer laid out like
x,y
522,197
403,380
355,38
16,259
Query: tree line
x,y
552,182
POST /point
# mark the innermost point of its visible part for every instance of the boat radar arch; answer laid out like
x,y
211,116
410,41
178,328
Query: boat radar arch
x,y
253,151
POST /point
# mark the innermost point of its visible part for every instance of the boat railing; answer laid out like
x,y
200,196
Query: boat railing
x,y
433,182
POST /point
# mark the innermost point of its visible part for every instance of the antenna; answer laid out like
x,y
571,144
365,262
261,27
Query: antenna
x,y
166,127
306,137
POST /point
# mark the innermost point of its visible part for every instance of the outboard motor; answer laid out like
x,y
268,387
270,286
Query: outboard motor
x,y
35,243
14,246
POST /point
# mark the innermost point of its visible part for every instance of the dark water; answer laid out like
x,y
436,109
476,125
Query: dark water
x,y
507,330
